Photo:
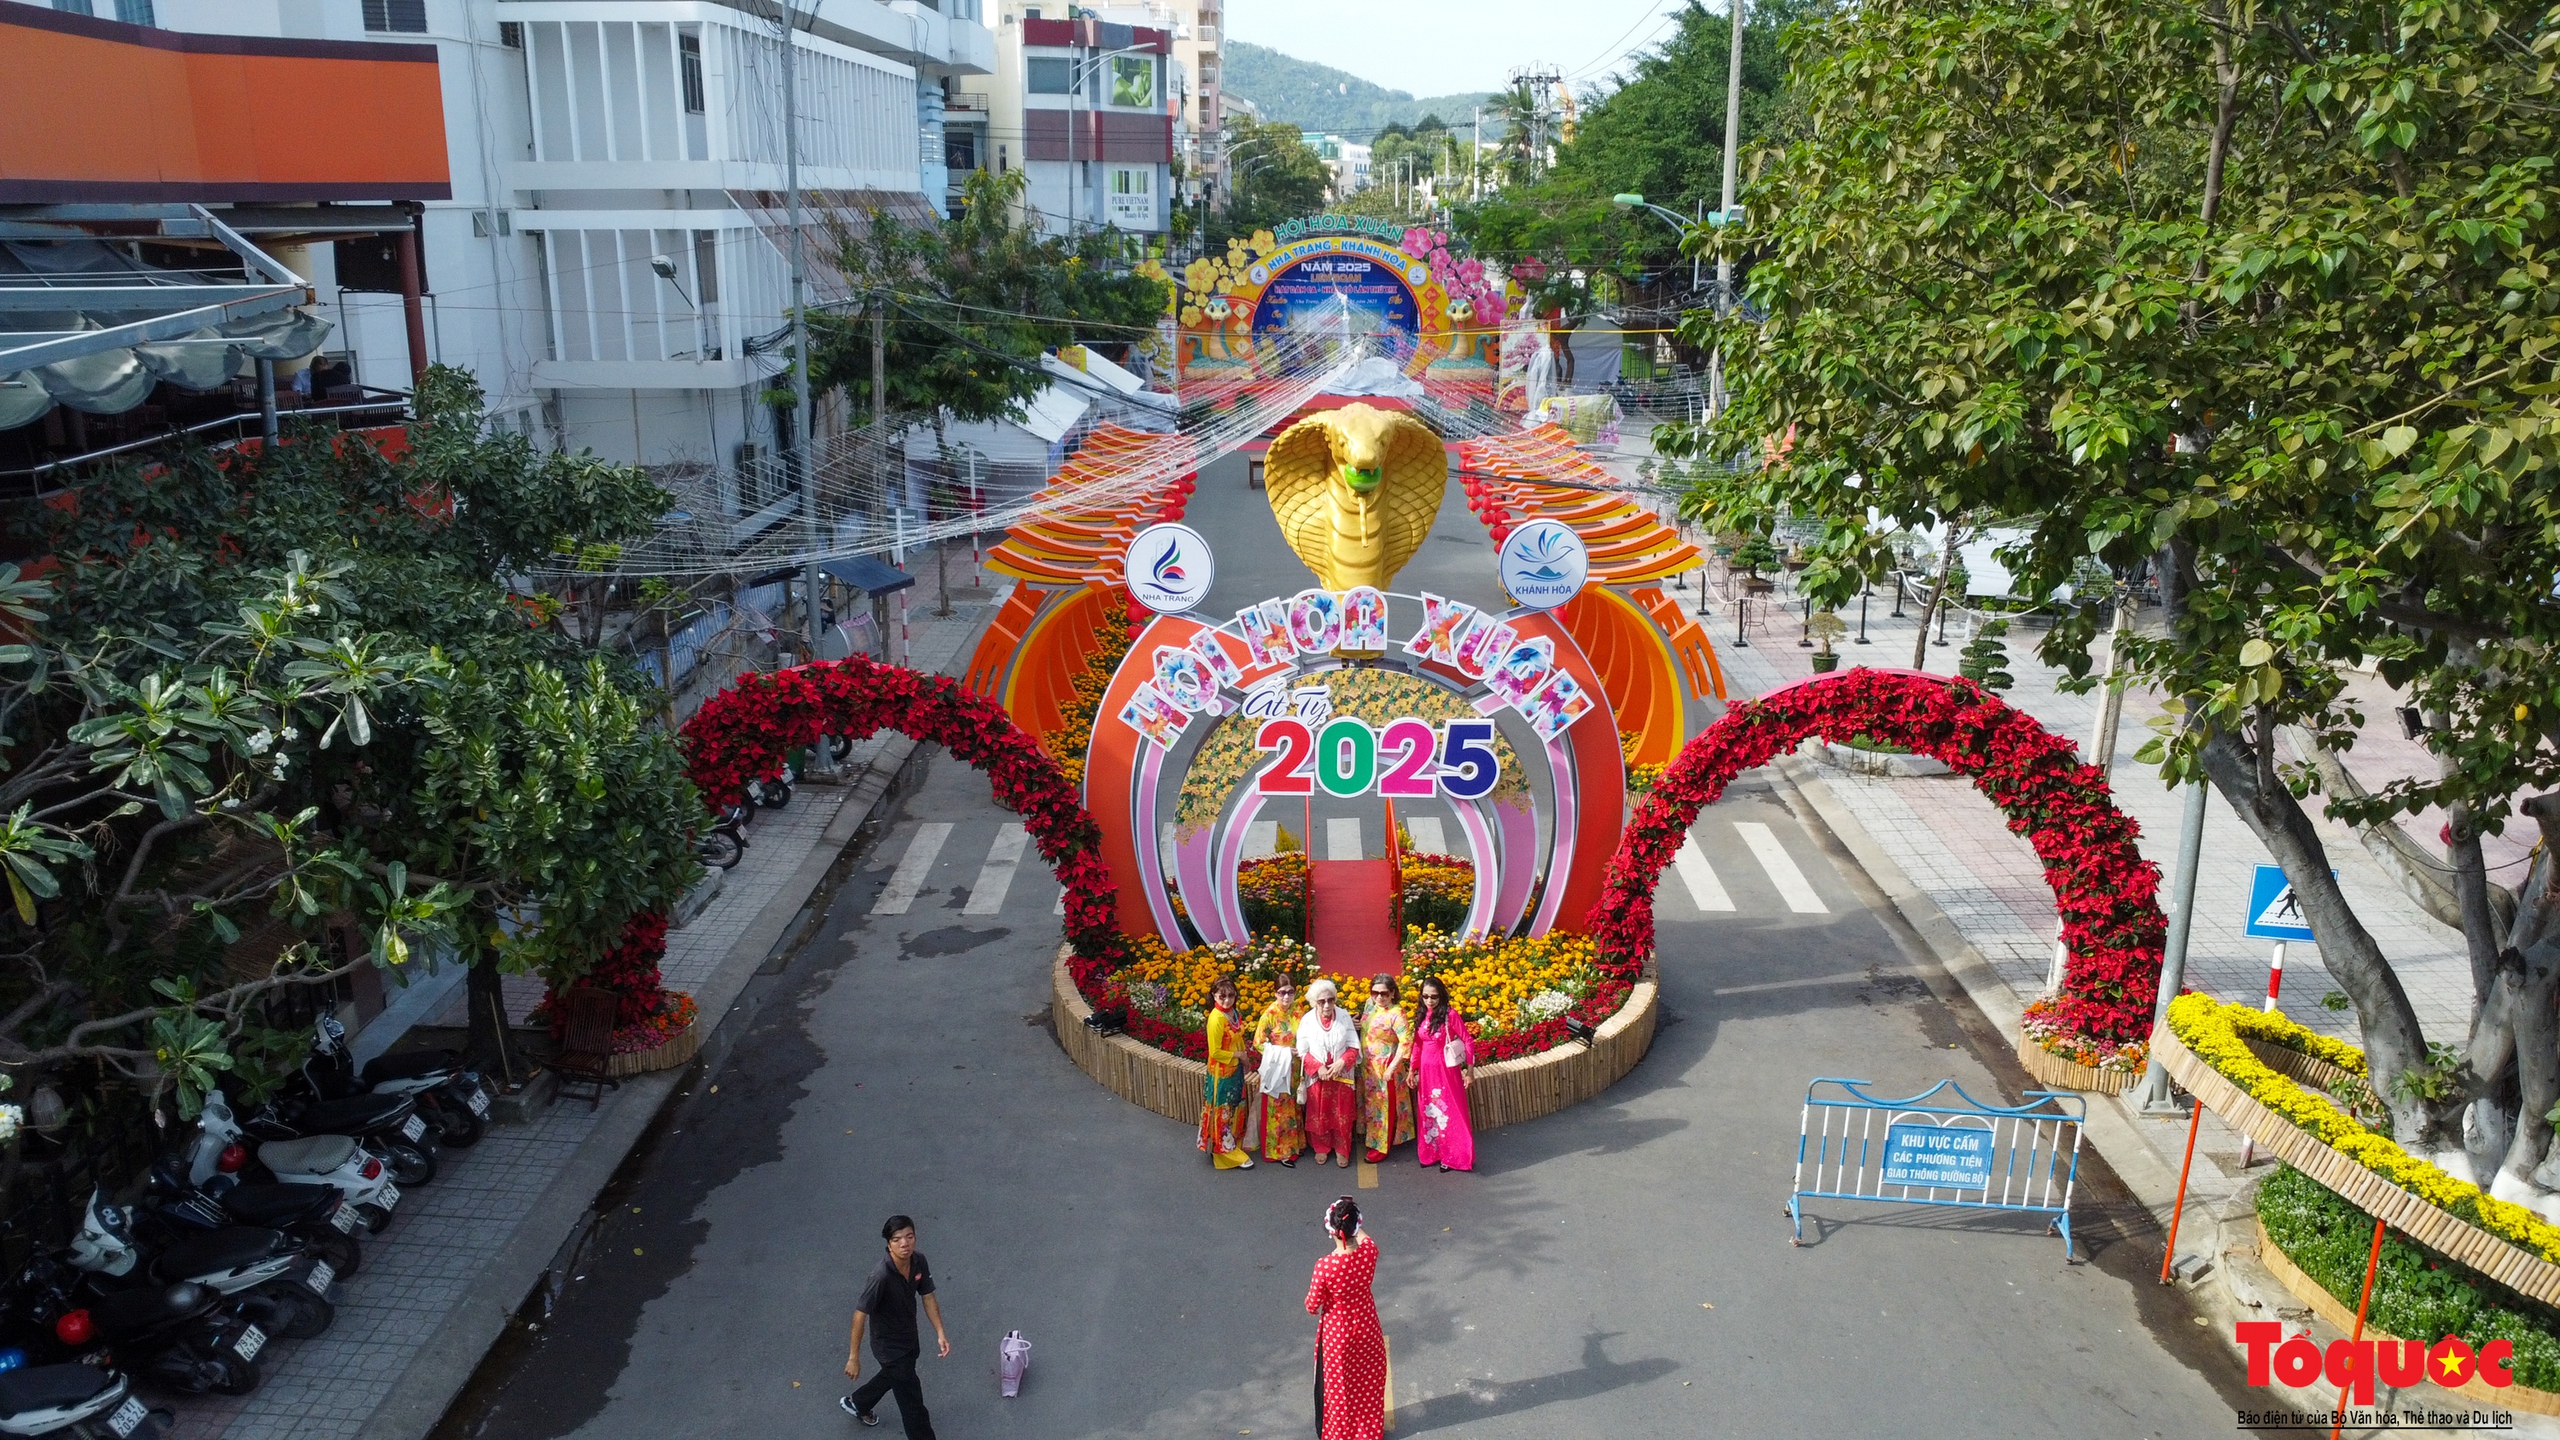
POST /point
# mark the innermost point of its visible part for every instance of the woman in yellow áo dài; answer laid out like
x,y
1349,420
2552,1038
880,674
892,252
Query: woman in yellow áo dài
x,y
1284,1134
1222,1097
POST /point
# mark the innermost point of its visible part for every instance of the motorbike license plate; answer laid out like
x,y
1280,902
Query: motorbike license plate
x,y
345,1220
480,1102
248,1345
389,1198
128,1417
320,1276
413,1127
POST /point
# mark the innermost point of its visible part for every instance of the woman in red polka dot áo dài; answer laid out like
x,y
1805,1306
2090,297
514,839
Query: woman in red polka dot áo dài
x,y
1351,1351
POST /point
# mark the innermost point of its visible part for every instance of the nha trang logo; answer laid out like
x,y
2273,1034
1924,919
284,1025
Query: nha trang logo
x,y
1170,568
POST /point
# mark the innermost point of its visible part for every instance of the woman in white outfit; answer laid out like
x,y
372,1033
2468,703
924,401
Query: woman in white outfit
x,y
1329,1067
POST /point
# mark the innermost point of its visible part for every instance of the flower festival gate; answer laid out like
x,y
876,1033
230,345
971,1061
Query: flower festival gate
x,y
2106,893
1953,1154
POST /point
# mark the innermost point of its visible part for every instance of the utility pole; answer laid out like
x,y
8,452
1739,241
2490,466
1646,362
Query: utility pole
x,y
1475,159
813,587
1732,176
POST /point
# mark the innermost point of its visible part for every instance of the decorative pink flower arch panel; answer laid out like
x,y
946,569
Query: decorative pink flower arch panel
x,y
743,734
2106,893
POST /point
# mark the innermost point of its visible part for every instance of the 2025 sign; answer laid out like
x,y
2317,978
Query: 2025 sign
x,y
1406,760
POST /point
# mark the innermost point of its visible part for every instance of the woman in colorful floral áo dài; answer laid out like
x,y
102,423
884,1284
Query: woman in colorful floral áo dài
x,y
1442,1051
1222,1112
1284,1136
1328,1071
1351,1351
1386,1086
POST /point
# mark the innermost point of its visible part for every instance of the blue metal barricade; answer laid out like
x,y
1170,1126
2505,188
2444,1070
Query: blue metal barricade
x,y
1961,1153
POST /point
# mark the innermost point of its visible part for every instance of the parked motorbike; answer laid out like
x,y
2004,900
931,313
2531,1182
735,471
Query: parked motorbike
x,y
316,1215
89,1401
720,846
183,1337
388,1125
275,1279
451,1098
775,793
220,1148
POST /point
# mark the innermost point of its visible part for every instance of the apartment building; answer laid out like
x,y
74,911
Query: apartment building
x,y
1092,110
613,259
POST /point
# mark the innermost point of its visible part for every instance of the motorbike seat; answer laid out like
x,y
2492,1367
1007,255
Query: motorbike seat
x,y
315,1155
411,1065
354,1115
51,1387
136,1311
278,1205
229,1248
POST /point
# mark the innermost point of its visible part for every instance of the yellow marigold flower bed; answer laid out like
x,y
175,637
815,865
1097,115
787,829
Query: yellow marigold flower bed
x,y
2214,1031
1500,988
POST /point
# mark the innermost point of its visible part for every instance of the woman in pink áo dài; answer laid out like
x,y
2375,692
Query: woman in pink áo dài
x,y
1443,1051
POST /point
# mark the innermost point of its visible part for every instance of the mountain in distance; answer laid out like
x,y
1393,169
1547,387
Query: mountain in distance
x,y
1320,99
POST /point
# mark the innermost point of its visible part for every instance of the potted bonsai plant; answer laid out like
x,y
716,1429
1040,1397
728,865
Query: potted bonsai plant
x,y
1826,627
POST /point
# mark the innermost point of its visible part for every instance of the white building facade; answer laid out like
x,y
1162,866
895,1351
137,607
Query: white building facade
x,y
1091,109
614,263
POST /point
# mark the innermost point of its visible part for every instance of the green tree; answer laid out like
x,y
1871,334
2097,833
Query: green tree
x,y
1657,130
1277,176
222,729
2257,296
968,305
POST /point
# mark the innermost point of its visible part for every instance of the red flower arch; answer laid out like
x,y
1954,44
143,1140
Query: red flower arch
x,y
743,734
2106,892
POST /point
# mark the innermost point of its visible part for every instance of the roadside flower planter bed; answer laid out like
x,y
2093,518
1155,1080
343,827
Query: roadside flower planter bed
x,y
2314,1242
2057,1057
2220,1053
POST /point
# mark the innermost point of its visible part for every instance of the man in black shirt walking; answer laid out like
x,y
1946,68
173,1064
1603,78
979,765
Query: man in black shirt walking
x,y
888,1310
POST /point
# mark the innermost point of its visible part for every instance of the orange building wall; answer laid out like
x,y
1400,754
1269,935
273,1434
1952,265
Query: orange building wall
x,y
94,110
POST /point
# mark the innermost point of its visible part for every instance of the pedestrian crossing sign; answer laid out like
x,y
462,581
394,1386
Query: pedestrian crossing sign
x,y
2274,913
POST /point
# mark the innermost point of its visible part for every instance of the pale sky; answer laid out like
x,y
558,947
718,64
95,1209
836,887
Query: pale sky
x,y
1443,47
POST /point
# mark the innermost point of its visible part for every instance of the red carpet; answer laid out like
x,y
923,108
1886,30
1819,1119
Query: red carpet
x,y
1351,916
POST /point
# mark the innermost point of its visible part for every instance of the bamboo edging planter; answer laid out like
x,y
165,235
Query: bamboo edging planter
x,y
2439,1230
1506,1092
666,1056
2062,1074
2312,1293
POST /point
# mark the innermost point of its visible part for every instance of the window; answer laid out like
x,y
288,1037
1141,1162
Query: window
x,y
706,264
511,34
1133,81
135,12
1133,199
959,150
396,17
1048,77
689,56
75,7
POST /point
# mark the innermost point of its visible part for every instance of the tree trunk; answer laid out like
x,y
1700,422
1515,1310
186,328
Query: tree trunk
x,y
491,1046
2393,1043
1937,591
2533,944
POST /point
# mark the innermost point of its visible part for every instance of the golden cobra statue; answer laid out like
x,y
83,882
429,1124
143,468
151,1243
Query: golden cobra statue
x,y
1355,490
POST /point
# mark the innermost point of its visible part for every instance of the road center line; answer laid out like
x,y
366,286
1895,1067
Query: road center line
x,y
1368,1175
913,866
1783,873
1700,877
996,876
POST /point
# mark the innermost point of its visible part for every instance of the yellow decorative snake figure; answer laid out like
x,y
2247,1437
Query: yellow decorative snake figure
x,y
1355,490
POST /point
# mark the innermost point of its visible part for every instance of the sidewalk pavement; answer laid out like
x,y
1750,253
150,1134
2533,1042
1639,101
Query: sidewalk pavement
x,y
1974,895
438,1287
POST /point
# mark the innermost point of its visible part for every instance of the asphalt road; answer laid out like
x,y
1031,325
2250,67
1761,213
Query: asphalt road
x,y
1621,1268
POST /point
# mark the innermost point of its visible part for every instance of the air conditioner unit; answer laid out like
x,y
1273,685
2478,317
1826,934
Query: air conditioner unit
x,y
749,453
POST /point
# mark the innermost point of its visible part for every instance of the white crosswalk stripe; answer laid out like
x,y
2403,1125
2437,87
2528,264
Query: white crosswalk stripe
x,y
908,878
1261,840
1427,835
1699,877
1792,886
1342,838
996,876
